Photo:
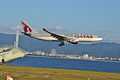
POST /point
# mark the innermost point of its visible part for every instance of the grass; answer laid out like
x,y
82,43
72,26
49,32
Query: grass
x,y
34,73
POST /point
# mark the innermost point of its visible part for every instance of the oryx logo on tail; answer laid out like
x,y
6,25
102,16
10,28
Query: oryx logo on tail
x,y
26,27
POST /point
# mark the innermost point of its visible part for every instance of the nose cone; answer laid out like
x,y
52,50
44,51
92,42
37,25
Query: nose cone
x,y
100,39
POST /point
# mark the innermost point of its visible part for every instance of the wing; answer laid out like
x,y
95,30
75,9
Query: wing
x,y
58,36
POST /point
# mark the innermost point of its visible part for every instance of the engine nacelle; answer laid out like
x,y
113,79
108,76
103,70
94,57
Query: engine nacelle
x,y
72,40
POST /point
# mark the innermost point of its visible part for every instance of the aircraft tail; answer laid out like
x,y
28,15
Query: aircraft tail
x,y
26,27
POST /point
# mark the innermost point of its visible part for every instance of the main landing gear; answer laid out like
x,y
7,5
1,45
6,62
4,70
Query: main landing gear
x,y
61,44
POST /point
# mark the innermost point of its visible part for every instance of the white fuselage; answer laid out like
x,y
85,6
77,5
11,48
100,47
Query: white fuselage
x,y
76,37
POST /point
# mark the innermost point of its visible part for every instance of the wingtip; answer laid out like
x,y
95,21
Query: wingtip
x,y
23,22
44,29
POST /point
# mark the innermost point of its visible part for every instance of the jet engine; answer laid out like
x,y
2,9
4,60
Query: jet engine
x,y
72,40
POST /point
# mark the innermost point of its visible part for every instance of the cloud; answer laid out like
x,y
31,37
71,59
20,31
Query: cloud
x,y
9,29
112,39
57,29
14,28
109,35
107,32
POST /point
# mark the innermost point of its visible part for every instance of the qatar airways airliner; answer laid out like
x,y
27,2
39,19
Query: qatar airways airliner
x,y
50,36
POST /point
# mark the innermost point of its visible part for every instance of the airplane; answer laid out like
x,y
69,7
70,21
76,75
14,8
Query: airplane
x,y
50,36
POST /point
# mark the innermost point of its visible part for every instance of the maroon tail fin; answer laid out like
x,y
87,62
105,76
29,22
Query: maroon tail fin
x,y
26,27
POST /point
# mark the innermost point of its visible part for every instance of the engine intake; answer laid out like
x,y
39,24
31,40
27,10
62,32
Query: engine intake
x,y
72,40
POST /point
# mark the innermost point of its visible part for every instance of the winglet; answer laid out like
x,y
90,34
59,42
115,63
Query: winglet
x,y
45,30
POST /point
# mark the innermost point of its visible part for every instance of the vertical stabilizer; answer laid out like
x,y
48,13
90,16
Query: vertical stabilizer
x,y
26,27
